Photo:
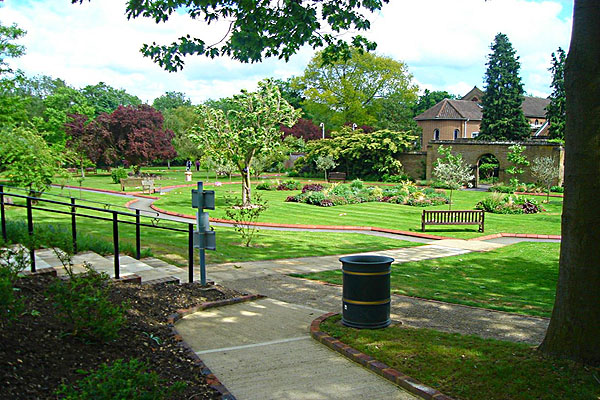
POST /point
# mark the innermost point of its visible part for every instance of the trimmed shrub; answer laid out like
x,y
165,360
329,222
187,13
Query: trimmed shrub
x,y
116,174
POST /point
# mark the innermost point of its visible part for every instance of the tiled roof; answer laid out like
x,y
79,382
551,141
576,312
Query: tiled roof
x,y
452,109
535,107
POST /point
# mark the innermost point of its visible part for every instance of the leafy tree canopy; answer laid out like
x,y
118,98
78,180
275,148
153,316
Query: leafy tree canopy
x,y
171,100
105,99
355,90
27,160
503,117
555,111
250,128
181,120
133,134
9,49
258,29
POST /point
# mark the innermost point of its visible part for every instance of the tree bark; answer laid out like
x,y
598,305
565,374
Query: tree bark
x,y
574,330
246,192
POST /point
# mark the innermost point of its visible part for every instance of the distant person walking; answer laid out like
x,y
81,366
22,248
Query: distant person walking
x,y
188,165
197,165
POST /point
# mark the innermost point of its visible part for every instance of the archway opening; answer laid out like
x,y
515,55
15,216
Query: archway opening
x,y
488,169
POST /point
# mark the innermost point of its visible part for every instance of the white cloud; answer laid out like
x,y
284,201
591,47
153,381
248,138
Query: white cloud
x,y
445,44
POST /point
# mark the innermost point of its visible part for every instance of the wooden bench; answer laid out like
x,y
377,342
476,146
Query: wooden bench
x,y
144,183
453,217
337,176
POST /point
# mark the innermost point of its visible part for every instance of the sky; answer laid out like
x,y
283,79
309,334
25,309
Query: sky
x,y
445,44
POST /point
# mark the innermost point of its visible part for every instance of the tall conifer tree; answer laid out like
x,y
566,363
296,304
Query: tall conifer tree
x,y
503,117
556,114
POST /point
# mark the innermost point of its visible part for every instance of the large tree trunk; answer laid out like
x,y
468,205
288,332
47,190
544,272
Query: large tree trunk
x,y
574,330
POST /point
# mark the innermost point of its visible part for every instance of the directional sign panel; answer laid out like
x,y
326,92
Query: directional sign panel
x,y
205,240
204,199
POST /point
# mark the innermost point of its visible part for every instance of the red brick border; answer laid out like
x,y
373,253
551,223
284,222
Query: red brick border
x,y
211,378
518,235
538,194
391,374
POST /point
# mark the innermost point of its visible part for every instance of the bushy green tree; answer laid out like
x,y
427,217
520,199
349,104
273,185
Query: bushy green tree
x,y
12,104
171,100
360,155
555,111
106,99
364,90
26,159
249,129
503,117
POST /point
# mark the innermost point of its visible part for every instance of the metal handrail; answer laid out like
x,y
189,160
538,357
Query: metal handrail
x,y
114,219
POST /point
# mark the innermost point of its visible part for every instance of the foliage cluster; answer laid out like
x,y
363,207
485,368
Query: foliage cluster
x,y
84,305
360,155
116,174
120,380
27,159
518,161
500,203
356,192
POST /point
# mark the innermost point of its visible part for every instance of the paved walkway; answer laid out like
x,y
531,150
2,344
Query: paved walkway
x,y
262,349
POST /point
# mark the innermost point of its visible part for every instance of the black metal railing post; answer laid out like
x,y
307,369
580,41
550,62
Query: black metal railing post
x,y
138,246
30,231
73,225
116,242
191,253
2,216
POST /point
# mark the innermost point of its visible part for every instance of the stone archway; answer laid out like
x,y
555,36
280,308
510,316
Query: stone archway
x,y
487,169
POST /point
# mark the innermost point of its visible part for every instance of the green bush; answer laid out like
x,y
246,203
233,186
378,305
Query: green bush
x,y
357,184
117,174
314,198
84,305
290,184
122,380
557,189
502,188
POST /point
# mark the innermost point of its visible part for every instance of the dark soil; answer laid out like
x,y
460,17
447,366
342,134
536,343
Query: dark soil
x,y
37,354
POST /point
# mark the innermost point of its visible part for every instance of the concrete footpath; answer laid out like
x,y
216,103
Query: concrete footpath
x,y
262,349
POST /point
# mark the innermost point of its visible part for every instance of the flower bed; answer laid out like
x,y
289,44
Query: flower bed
x,y
356,192
500,203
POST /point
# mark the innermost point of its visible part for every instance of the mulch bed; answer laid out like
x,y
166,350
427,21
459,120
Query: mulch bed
x,y
36,356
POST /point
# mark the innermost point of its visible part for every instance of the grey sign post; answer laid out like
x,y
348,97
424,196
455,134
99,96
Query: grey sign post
x,y
204,236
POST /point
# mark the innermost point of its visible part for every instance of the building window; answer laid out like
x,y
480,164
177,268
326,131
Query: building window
x,y
474,134
456,133
537,122
436,134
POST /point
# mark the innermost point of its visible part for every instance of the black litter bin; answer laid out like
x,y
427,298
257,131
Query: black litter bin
x,y
366,291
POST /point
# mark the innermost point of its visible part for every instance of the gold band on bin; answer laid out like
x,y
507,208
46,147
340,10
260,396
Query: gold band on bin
x,y
367,303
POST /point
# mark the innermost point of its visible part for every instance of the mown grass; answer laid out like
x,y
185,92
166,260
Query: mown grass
x,y
471,368
518,278
172,246
383,215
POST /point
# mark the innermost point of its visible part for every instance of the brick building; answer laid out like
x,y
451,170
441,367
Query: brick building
x,y
461,119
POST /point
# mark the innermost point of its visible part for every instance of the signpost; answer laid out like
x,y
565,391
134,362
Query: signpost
x,y
204,236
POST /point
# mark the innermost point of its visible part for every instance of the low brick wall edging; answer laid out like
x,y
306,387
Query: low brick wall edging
x,y
406,382
211,379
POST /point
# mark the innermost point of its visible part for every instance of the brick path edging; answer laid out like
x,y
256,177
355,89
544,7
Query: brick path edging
x,y
391,374
517,235
211,379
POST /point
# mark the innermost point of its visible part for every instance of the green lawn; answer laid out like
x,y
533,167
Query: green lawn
x,y
169,177
173,245
383,215
518,278
472,368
